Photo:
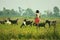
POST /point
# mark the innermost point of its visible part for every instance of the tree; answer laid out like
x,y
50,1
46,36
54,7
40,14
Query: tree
x,y
29,13
48,13
56,11
1,13
4,8
21,11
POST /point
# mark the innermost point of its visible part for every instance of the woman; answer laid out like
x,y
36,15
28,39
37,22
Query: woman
x,y
37,19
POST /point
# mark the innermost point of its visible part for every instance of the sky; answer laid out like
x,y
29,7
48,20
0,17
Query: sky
x,y
40,5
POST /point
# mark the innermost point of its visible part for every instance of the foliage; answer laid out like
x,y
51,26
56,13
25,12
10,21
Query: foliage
x,y
8,13
56,11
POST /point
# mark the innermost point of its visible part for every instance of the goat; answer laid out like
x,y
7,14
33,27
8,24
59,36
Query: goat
x,y
53,23
26,23
13,21
7,21
2,22
40,24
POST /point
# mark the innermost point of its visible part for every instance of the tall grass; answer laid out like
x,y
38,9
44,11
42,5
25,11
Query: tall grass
x,y
14,32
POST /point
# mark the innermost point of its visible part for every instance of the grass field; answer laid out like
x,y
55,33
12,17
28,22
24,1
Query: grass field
x,y
14,32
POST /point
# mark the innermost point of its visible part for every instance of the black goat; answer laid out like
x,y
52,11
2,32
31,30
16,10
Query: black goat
x,y
53,23
26,23
13,21
40,24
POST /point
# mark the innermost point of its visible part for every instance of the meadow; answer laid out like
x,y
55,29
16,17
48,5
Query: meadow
x,y
14,32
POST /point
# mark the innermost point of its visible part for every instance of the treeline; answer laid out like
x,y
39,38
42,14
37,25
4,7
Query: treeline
x,y
54,13
21,13
8,13
28,13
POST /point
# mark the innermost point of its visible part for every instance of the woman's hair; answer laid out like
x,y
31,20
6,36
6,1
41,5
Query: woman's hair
x,y
37,11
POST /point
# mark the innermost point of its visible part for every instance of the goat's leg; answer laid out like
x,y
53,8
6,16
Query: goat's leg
x,y
21,25
3,23
31,25
49,25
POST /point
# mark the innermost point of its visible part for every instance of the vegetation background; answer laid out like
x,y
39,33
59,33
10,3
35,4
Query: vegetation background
x,y
14,32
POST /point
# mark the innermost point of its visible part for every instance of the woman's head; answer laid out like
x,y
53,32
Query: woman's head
x,y
37,11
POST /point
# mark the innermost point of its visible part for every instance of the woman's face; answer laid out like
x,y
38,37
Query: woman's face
x,y
36,13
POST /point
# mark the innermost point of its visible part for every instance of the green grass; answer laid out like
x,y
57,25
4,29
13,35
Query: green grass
x,y
14,32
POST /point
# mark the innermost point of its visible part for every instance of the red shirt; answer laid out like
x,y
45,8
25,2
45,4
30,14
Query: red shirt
x,y
37,20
